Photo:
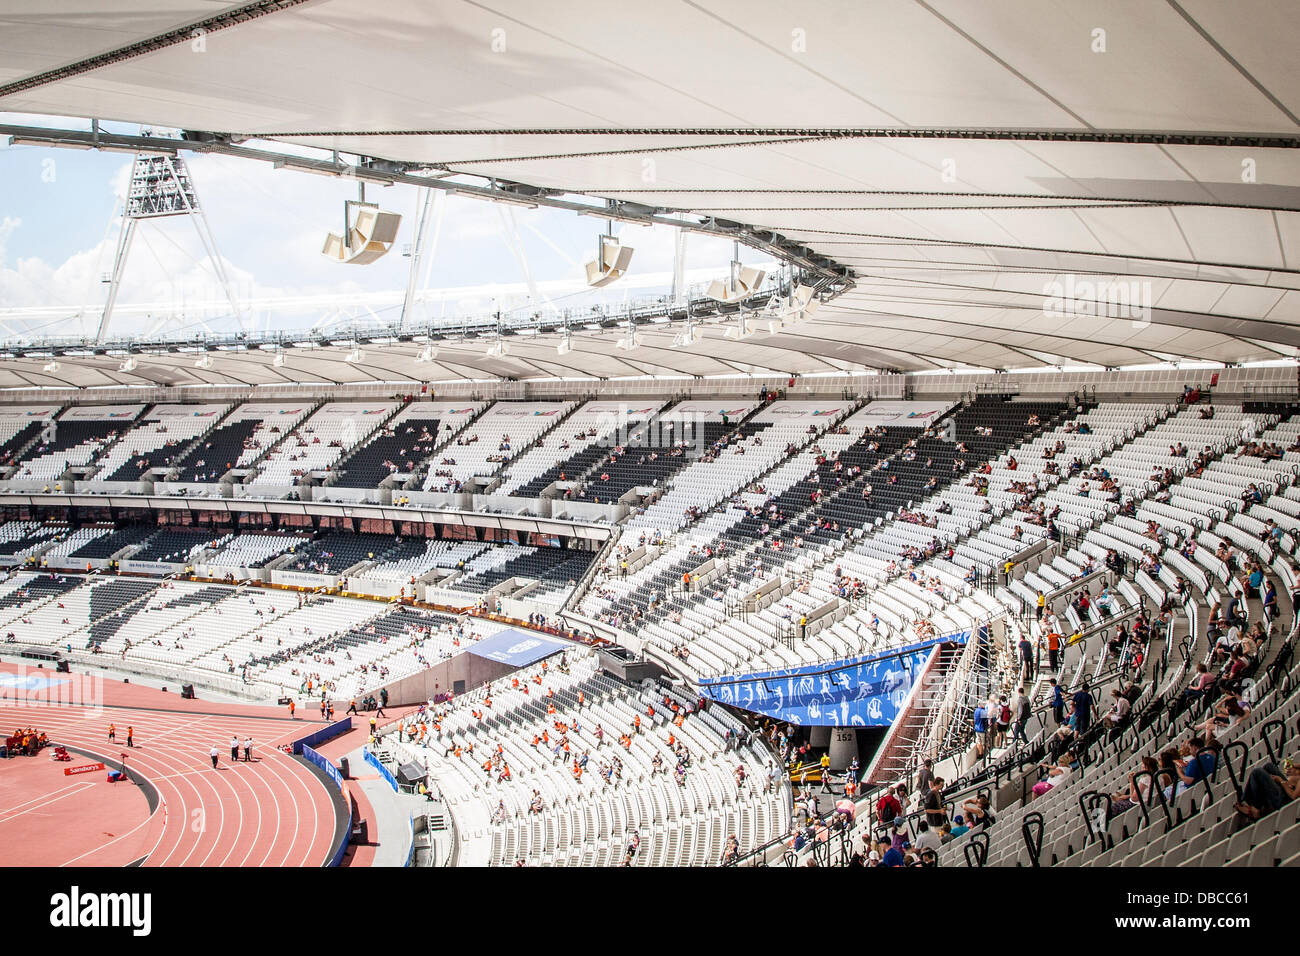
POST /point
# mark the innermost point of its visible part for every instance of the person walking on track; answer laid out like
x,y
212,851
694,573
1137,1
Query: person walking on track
x,y
112,732
234,748
248,749
130,736
214,753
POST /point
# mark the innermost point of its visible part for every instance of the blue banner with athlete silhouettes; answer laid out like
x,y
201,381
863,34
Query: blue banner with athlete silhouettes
x,y
865,691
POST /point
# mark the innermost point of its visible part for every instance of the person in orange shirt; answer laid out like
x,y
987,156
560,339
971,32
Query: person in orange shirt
x,y
636,724
1053,650
112,732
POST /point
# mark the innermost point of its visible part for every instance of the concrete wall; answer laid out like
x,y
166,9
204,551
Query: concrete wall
x,y
373,496
1234,380
304,579
513,505
588,511
442,677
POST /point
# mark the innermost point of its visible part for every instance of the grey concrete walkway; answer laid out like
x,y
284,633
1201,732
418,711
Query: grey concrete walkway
x,y
392,812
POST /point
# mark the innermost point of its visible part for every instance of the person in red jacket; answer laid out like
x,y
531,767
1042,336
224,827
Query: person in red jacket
x,y
888,807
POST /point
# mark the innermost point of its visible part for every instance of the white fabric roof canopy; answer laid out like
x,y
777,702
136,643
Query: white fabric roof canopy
x,y
771,116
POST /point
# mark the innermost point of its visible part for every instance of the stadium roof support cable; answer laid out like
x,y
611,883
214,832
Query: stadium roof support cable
x,y
1042,135
186,33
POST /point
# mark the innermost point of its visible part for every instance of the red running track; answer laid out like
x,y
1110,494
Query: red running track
x,y
272,811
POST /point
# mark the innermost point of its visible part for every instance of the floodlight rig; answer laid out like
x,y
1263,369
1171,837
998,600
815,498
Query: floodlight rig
x,y
611,262
160,187
741,281
632,339
368,235
565,345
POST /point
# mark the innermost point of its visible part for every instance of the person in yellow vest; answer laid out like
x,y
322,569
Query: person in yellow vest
x,y
826,772
803,626
1042,605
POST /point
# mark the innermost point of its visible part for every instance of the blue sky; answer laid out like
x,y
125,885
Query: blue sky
x,y
57,206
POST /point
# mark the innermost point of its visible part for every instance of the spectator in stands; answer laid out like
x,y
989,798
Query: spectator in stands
x,y
1270,601
1254,579
978,812
927,838
1119,709
1083,704
1268,788
925,776
1027,656
1138,791
1201,683
1003,721
934,809
1053,649
1022,711
1228,714
731,852
890,855
1200,762
1056,700
1055,775
980,725
1234,670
